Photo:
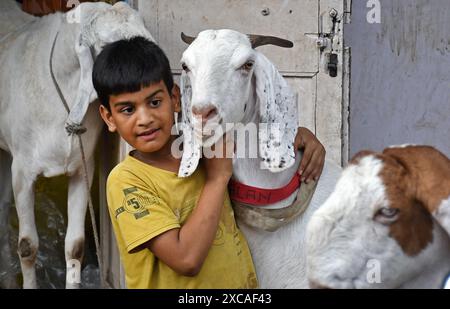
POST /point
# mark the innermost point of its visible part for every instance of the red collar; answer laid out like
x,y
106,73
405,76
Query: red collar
x,y
259,197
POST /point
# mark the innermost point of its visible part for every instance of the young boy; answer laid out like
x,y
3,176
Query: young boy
x,y
171,232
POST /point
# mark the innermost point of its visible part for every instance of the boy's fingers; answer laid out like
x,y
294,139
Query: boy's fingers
x,y
319,172
298,143
314,167
305,162
318,167
306,176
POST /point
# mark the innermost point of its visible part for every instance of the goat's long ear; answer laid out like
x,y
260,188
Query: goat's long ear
x,y
437,173
278,114
85,92
191,146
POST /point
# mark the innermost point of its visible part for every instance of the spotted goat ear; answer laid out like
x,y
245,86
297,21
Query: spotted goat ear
x,y
279,116
191,146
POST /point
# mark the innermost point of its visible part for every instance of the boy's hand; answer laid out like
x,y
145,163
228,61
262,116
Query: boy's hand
x,y
313,158
218,160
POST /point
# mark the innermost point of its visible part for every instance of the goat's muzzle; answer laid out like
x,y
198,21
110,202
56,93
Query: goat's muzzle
x,y
204,113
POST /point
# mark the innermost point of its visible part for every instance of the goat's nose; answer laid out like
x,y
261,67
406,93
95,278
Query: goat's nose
x,y
205,112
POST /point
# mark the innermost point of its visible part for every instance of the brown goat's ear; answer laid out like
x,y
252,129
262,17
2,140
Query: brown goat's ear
x,y
398,156
362,154
187,39
432,177
259,40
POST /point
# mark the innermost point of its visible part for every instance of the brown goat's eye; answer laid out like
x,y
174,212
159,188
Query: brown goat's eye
x,y
247,66
387,215
185,67
388,212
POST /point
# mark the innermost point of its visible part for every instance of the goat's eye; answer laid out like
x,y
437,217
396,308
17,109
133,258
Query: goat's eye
x,y
185,67
387,215
247,66
388,212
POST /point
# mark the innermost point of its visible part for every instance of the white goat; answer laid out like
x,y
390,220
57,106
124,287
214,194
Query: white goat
x,y
227,81
385,224
33,117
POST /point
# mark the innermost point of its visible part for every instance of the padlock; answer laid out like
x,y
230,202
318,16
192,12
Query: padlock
x,y
332,64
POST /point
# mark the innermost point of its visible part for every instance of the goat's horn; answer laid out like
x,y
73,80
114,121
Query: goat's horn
x,y
259,40
187,39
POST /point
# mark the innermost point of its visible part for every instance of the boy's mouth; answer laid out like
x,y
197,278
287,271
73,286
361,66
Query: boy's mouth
x,y
149,134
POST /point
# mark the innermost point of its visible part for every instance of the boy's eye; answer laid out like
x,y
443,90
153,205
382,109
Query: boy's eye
x,y
155,103
127,110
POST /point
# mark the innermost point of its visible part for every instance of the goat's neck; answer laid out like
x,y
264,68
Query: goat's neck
x,y
249,171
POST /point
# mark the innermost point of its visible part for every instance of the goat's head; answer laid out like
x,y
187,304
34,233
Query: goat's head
x,y
102,24
373,231
223,74
99,24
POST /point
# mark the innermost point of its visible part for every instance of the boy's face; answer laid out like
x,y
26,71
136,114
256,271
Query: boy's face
x,y
144,119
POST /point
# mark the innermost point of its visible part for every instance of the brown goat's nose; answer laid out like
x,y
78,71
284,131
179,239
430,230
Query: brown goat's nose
x,y
205,112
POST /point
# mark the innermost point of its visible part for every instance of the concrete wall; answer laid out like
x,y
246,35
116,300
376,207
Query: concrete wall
x,y
400,82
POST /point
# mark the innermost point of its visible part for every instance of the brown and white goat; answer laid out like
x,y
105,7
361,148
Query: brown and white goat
x,y
386,225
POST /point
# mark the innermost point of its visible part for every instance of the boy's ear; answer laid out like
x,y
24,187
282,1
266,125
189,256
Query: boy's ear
x,y
107,118
176,98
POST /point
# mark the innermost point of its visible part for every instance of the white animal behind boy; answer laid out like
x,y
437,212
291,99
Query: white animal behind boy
x,y
386,225
33,119
225,80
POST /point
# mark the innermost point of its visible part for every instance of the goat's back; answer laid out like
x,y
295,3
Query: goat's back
x,y
12,17
32,114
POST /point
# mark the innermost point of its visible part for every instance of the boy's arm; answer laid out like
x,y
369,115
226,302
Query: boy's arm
x,y
313,159
185,249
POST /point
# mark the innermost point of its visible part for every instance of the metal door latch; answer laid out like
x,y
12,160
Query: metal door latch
x,y
325,43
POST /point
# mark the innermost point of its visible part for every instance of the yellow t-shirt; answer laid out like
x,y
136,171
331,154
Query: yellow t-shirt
x,y
145,201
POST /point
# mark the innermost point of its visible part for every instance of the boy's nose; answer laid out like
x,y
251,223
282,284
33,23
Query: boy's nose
x,y
205,112
145,117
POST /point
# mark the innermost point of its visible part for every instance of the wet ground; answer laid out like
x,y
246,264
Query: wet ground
x,y
51,218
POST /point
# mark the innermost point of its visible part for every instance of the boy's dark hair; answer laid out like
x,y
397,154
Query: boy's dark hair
x,y
127,66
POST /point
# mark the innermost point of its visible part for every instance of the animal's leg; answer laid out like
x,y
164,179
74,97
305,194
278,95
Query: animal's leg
x,y
22,182
5,205
76,213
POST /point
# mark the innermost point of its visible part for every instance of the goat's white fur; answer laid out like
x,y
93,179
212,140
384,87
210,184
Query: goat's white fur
x,y
214,60
33,118
442,214
342,237
271,99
